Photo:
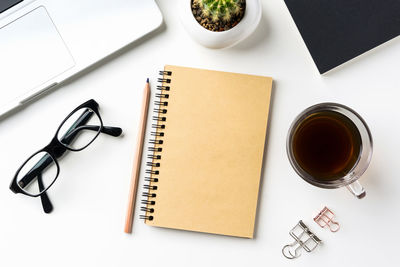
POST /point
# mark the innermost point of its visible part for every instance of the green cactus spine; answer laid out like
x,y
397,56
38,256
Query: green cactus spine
x,y
220,9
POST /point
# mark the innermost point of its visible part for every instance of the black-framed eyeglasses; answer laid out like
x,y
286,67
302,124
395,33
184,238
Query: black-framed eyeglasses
x,y
77,131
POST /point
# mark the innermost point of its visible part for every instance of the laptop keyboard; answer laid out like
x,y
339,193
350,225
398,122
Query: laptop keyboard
x,y
6,4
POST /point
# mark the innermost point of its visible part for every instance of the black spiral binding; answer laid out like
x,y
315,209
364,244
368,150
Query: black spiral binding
x,y
152,173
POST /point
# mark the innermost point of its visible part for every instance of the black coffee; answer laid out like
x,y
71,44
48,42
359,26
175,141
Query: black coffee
x,y
326,145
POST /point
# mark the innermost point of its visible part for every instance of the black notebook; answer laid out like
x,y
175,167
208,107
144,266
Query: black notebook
x,y
336,31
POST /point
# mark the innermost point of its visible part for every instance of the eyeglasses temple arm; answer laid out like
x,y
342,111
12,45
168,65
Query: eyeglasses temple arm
x,y
46,203
109,130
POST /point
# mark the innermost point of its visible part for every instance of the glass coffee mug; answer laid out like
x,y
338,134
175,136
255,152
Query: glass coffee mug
x,y
330,146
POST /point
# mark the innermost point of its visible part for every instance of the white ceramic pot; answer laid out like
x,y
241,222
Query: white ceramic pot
x,y
243,29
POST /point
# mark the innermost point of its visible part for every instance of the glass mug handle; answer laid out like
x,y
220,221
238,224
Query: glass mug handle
x,y
357,189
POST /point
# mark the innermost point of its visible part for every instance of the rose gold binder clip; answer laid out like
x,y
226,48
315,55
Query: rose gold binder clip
x,y
325,218
303,239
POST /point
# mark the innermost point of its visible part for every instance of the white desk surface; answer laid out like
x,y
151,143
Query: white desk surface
x,y
90,196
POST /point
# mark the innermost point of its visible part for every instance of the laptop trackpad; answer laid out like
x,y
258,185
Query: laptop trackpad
x,y
31,53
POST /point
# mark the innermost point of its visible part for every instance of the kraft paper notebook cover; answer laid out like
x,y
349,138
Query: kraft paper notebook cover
x,y
209,134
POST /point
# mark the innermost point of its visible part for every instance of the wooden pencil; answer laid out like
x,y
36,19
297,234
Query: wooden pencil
x,y
137,160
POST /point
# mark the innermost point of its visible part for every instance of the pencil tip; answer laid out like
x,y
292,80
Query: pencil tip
x,y
147,80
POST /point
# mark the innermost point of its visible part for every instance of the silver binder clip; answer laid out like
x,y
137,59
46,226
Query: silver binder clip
x,y
304,239
325,218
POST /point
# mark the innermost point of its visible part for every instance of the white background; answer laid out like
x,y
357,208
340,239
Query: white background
x,y
90,196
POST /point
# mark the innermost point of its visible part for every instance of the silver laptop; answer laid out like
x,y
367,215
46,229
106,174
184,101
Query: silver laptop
x,y
44,42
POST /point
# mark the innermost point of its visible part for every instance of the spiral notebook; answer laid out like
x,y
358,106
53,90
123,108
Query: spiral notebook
x,y
207,150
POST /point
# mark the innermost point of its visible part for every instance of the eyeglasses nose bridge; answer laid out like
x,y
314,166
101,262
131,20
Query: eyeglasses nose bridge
x,y
55,149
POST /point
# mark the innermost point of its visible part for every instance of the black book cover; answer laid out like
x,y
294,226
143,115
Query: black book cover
x,y
336,31
6,4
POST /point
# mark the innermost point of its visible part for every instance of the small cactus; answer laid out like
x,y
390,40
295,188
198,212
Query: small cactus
x,y
220,9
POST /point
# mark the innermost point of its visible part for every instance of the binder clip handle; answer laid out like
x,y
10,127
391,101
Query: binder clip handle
x,y
303,239
326,218
334,226
290,252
